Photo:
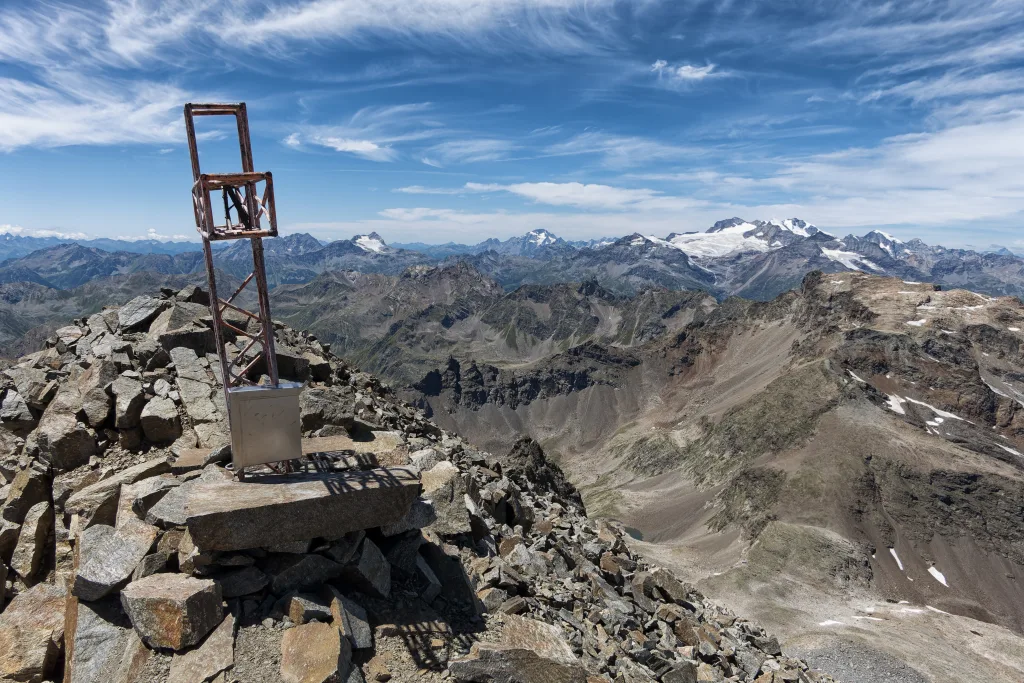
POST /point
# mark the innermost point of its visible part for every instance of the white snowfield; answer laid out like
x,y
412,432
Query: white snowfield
x,y
542,237
367,243
850,259
732,240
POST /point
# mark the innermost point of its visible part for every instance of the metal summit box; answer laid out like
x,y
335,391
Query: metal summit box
x,y
265,424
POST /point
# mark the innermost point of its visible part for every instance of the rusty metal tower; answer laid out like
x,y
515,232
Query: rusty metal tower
x,y
261,421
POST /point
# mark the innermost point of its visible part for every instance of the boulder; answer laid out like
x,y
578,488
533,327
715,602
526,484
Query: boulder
x,y
315,653
102,648
96,401
32,540
232,515
302,608
530,651
323,406
15,413
292,572
61,440
243,581
351,619
160,421
172,611
445,488
97,503
32,633
28,488
108,557
139,311
370,573
216,654
135,500
129,402
420,516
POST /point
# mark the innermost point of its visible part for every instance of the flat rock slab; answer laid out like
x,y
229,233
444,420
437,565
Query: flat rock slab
x,y
107,557
216,654
272,509
385,449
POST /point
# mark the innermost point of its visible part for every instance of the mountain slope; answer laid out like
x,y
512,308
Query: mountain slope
x,y
858,420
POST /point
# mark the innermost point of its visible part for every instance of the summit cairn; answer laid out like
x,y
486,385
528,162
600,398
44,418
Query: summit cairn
x,y
391,551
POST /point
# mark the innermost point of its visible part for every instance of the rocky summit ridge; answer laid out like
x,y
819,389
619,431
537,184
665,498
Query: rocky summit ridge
x,y
127,554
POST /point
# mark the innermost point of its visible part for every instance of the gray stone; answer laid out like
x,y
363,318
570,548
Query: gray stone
x,y
154,563
420,516
684,672
136,499
244,581
32,385
445,487
28,488
172,611
35,531
315,653
160,421
319,407
530,651
425,458
431,584
100,643
108,557
96,401
401,552
351,619
195,396
216,654
61,440
9,532
232,515
129,402
292,572
97,503
161,387
371,573
14,411
139,311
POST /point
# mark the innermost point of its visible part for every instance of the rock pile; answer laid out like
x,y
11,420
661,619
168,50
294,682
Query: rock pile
x,y
401,553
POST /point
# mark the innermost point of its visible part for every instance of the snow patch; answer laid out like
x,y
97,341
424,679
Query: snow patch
x,y
917,323
1011,451
853,375
936,610
830,622
894,404
940,413
938,576
850,259
910,282
870,618
892,551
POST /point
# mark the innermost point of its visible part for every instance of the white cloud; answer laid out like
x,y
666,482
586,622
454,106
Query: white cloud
x,y
360,148
430,162
471,151
684,72
620,151
58,233
592,196
152,234
419,189
75,110
8,229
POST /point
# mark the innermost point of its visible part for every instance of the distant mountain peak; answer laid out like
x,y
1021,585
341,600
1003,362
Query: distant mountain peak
x,y
541,237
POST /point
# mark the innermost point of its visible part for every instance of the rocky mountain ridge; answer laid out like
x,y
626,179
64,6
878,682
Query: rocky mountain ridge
x,y
121,565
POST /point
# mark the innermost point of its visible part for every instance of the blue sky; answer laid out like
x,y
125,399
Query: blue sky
x,y
437,120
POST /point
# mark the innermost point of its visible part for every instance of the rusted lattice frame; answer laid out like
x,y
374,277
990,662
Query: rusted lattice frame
x,y
256,219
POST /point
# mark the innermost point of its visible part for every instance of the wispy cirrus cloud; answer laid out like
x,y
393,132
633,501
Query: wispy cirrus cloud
x,y
676,74
620,151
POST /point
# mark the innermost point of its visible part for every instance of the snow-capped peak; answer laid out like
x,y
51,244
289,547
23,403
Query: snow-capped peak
x,y
540,237
372,242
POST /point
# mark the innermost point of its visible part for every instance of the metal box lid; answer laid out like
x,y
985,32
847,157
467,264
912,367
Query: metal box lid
x,y
265,424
